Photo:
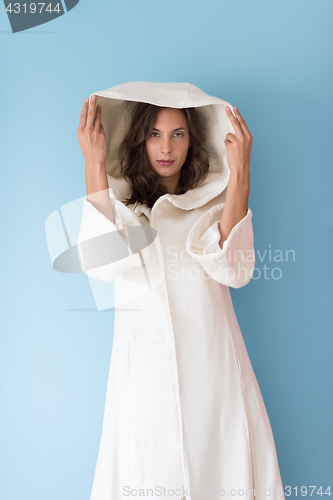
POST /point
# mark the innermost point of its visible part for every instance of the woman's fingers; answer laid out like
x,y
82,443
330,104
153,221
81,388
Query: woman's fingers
x,y
234,121
98,118
229,138
102,131
83,115
91,112
242,121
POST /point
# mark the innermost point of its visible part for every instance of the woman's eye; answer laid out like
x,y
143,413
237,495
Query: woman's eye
x,y
155,134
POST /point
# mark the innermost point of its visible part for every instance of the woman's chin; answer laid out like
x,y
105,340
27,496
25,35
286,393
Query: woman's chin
x,y
166,171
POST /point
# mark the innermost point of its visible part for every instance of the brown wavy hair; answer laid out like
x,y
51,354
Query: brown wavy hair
x,y
135,165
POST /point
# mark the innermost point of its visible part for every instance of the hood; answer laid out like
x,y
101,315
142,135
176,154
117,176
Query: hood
x,y
116,103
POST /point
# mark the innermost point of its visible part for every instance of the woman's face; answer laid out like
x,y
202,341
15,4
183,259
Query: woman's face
x,y
169,139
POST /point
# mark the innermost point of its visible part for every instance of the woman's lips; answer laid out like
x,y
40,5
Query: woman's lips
x,y
165,163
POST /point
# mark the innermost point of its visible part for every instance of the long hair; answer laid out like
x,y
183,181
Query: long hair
x,y
135,165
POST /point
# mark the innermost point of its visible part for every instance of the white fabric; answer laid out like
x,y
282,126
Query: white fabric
x,y
95,224
183,407
232,265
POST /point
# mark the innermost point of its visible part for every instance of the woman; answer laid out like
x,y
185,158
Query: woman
x,y
184,416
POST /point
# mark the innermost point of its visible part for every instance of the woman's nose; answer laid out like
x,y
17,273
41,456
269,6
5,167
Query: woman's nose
x,y
165,145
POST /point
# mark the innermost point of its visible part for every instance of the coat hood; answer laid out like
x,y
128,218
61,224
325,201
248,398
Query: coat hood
x,y
117,102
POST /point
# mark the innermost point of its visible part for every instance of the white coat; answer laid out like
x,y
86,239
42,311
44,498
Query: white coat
x,y
184,415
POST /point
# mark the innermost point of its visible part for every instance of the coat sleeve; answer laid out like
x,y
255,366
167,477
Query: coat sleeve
x,y
103,248
233,264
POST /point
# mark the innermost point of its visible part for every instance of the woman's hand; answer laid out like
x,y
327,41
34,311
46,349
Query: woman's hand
x,y
92,141
91,134
238,146
237,197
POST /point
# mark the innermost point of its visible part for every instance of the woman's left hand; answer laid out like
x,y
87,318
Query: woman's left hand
x,y
238,146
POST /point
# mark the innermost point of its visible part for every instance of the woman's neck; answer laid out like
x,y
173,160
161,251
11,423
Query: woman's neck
x,y
171,184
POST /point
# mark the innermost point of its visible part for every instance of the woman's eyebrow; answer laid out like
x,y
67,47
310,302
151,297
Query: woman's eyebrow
x,y
180,128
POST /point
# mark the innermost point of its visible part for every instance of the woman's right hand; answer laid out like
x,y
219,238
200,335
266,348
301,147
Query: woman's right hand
x,y
91,134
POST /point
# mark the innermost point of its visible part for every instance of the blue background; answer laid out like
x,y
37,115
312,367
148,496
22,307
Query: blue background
x,y
271,59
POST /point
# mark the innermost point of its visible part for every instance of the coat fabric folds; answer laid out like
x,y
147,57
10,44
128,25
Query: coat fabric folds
x,y
184,416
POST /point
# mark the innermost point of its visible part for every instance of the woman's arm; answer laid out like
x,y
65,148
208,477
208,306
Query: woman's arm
x,y
92,142
237,196
236,203
98,189
103,244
